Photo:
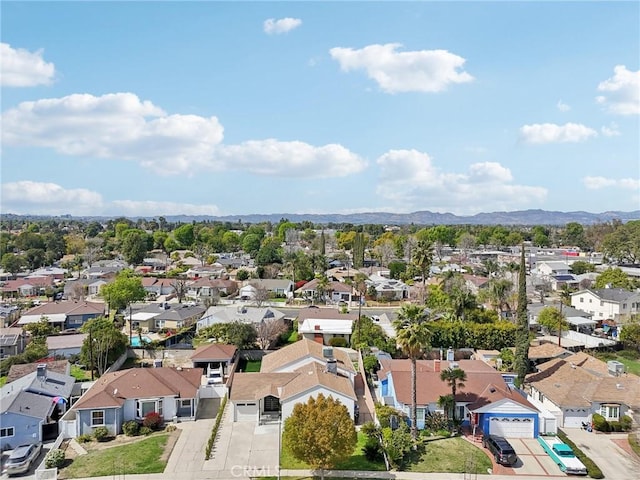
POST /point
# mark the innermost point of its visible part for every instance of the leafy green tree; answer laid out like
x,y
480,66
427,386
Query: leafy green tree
x,y
497,293
269,253
623,244
242,335
413,337
367,333
613,277
522,321
574,235
185,235
507,356
103,345
251,244
242,275
12,263
41,329
320,433
581,267
553,320
359,245
35,258
125,289
455,378
396,269
135,245
397,443
630,335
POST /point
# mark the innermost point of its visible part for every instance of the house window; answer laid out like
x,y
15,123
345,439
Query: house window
x,y
581,300
610,412
97,418
185,403
7,432
160,323
144,407
601,303
420,412
459,411
540,397
590,300
624,306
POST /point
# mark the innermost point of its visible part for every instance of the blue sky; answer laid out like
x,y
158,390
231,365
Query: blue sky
x,y
231,108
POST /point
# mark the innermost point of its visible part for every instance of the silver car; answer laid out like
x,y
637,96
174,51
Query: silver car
x,y
22,458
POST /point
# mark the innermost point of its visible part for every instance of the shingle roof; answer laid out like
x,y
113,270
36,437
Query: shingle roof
x,y
54,384
112,389
546,350
24,369
494,393
28,404
613,294
68,308
58,342
324,314
301,349
214,352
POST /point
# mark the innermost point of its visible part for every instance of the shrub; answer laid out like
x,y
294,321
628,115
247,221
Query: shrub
x,y
152,420
436,421
372,450
214,430
600,423
170,428
131,428
338,342
615,426
84,438
592,469
145,430
626,422
443,433
100,433
54,459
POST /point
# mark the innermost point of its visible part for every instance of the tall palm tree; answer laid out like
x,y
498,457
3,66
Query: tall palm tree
x,y
455,377
422,259
447,403
413,337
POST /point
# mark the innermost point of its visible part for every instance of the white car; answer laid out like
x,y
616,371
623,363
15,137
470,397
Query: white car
x,y
22,458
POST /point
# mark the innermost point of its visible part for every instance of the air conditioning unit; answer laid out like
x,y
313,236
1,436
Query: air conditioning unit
x,y
615,368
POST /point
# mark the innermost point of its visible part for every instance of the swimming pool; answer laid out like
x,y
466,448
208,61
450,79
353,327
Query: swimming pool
x,y
135,340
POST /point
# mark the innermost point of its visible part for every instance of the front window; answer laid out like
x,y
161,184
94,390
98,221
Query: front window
x,y
610,412
160,323
185,403
144,407
97,418
7,432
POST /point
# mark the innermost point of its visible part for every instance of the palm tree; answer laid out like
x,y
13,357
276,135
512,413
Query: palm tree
x,y
413,337
422,259
455,377
447,403
497,293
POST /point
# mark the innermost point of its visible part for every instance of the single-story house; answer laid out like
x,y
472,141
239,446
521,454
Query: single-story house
x,y
211,287
125,395
78,289
335,291
238,313
65,345
216,270
388,289
276,287
323,324
25,417
291,375
485,394
54,272
26,287
12,341
65,315
173,316
17,371
575,387
158,286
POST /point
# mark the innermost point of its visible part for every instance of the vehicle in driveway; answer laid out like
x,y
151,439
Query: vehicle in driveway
x,y
22,459
501,449
562,454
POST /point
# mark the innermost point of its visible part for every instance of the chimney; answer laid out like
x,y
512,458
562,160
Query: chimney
x,y
436,365
450,355
41,372
332,366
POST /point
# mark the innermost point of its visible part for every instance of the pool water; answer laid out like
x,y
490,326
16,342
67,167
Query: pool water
x,y
135,340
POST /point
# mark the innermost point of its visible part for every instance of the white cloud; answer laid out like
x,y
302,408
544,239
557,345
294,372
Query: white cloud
x,y
121,126
413,71
48,199
409,178
22,68
621,92
540,133
597,183
563,107
610,131
272,26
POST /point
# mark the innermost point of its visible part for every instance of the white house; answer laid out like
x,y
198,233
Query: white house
x,y
607,303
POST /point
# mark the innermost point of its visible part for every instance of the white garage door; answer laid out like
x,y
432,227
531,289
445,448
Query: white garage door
x,y
246,412
573,418
511,427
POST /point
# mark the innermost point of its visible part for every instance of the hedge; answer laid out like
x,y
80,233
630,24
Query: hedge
x,y
214,430
592,469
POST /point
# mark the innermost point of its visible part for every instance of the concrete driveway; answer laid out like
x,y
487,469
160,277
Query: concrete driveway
x,y
615,462
532,460
244,449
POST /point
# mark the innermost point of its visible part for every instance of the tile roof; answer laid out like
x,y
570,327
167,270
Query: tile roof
x,y
301,349
214,352
112,389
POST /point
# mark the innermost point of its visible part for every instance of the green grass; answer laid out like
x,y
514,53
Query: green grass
x,y
357,460
635,444
628,357
134,458
448,455
3,380
253,366
79,374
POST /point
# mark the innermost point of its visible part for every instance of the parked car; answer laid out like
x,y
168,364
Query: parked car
x,y
501,449
22,458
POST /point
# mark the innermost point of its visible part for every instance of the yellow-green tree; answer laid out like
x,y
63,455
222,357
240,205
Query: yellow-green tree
x,y
320,433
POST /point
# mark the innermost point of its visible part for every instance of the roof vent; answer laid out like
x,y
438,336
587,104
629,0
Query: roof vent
x,y
327,352
492,390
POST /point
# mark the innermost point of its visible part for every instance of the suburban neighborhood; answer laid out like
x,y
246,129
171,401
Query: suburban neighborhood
x,y
442,344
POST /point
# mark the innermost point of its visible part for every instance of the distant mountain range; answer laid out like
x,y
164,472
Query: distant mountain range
x,y
521,217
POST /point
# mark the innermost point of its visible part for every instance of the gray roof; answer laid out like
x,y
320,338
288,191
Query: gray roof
x,y
234,313
53,385
8,340
28,404
613,294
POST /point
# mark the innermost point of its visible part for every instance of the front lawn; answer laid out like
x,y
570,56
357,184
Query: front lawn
x,y
450,455
357,461
139,457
